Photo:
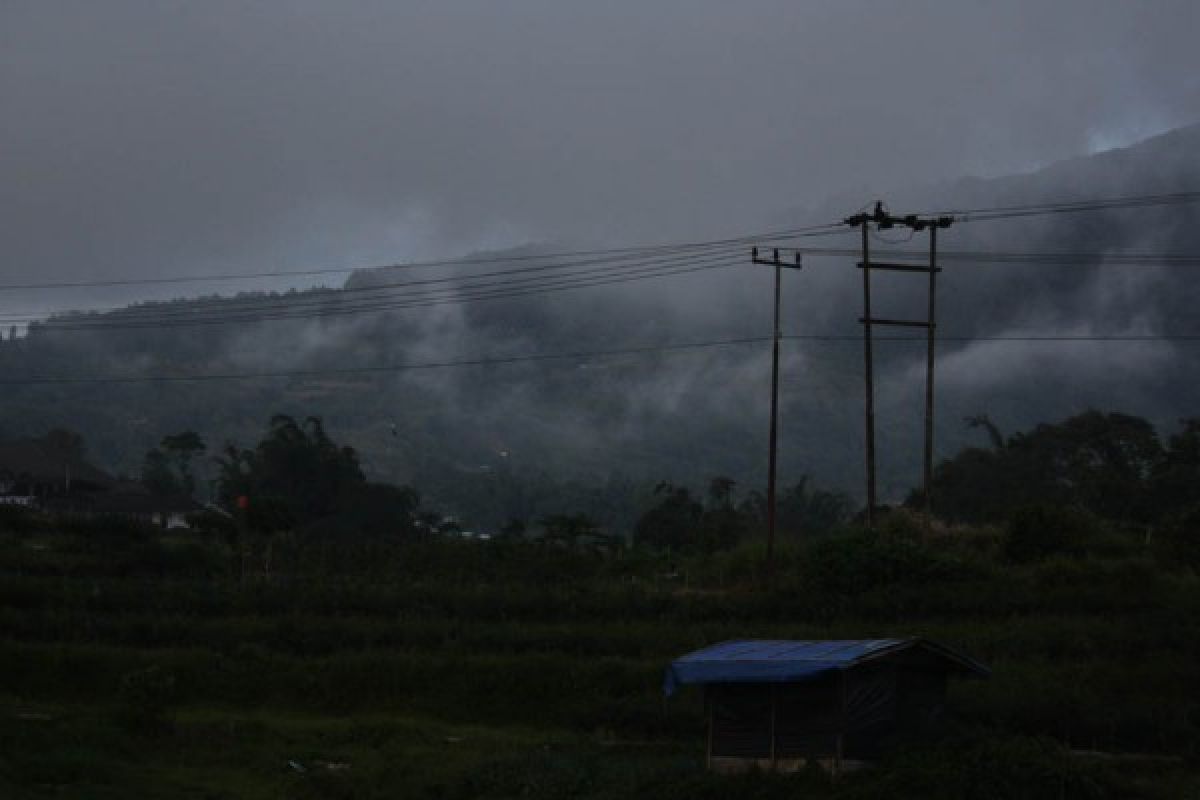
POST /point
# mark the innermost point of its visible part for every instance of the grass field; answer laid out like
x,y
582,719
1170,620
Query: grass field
x,y
138,665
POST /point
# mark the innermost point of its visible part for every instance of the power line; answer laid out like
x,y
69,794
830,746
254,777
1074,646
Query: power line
x,y
642,249
635,256
818,337
379,307
577,356
321,297
1047,258
995,212
234,306
1073,206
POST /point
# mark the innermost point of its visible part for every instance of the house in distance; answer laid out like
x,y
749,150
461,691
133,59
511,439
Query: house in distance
x,y
50,474
778,704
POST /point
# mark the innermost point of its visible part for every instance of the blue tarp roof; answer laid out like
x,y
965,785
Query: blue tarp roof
x,y
789,661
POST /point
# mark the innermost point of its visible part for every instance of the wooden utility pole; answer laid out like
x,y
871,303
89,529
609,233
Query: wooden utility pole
x,y
869,374
927,472
773,448
883,221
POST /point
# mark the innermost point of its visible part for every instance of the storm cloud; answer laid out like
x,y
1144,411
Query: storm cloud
x,y
151,138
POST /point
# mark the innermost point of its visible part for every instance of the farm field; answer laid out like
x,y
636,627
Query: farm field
x,y
137,664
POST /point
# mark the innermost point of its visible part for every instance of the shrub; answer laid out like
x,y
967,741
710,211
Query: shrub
x,y
1177,542
866,560
1037,532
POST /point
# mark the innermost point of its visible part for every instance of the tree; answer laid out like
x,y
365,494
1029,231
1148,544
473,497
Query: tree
x,y
374,509
673,522
167,469
157,475
1176,479
977,485
296,466
721,525
985,422
295,476
181,448
1103,463
568,529
806,511
720,493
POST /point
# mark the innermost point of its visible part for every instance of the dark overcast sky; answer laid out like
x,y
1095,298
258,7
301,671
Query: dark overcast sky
x,y
159,137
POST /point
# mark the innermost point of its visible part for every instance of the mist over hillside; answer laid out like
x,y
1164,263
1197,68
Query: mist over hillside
x,y
498,440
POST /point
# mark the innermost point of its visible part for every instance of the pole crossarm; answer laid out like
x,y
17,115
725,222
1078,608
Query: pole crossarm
x,y
885,221
899,267
776,260
903,323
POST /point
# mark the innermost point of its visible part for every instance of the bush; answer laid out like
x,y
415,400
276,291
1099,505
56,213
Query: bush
x,y
1177,542
1038,532
867,560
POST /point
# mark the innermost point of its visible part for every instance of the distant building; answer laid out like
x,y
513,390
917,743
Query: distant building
x,y
127,499
778,705
34,473
35,469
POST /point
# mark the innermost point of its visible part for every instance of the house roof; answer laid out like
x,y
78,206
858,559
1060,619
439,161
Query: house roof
x,y
33,459
792,661
125,499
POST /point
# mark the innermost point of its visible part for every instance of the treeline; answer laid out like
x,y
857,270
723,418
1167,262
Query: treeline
x,y
1062,479
1052,488
1091,468
683,522
296,479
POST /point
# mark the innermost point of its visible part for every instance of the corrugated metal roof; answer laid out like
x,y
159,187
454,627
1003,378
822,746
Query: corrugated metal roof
x,y
790,661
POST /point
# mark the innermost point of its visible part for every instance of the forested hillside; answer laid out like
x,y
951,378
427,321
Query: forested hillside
x,y
499,440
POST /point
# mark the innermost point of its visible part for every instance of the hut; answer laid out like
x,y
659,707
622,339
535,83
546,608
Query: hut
x,y
778,705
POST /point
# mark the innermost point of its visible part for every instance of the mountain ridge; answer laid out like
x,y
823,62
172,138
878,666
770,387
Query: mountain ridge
x,y
677,416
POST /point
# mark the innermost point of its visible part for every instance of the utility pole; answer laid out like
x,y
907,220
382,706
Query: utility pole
x,y
869,376
773,448
927,471
883,221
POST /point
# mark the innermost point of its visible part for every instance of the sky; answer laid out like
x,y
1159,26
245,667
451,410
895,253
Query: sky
x,y
166,138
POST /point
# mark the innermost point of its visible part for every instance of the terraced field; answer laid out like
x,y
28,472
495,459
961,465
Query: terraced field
x,y
132,665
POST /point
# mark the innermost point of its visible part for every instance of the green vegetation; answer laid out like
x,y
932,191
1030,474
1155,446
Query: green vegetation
x,y
137,663
369,656
167,469
1112,465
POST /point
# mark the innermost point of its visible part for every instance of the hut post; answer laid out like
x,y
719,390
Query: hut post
x,y
708,704
841,734
773,752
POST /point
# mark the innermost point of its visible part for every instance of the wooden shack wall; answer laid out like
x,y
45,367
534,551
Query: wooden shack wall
x,y
856,714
